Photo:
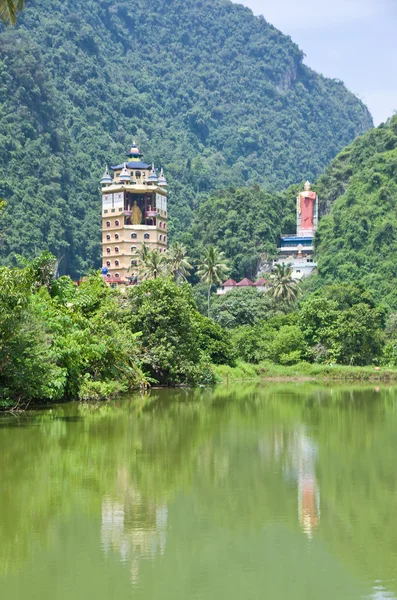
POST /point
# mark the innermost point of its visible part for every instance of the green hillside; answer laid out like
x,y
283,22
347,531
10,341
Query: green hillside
x,y
214,94
245,223
357,240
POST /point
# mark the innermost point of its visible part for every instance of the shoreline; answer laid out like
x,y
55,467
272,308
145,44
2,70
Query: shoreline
x,y
303,372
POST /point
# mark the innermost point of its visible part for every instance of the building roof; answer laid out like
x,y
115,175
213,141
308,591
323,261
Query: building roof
x,y
245,283
106,177
261,281
229,283
124,175
297,238
153,175
162,179
135,164
135,151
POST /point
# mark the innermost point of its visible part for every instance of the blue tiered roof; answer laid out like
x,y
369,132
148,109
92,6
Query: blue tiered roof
x,y
132,165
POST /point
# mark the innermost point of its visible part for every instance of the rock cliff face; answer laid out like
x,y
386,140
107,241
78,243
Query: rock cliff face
x,y
217,95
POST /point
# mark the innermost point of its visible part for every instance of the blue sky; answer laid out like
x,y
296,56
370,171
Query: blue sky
x,y
351,40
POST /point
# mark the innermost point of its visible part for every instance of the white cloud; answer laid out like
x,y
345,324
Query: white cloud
x,y
290,15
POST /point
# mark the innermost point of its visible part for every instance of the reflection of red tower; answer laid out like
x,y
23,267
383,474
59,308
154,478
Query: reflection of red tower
x,y
308,490
308,504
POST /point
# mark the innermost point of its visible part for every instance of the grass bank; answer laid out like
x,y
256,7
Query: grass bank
x,y
302,372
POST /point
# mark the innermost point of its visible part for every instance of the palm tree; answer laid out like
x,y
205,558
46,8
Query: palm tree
x,y
178,261
213,268
9,10
282,286
152,264
143,252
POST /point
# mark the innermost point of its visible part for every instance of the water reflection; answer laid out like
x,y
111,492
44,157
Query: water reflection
x,y
205,494
132,526
305,452
298,454
380,592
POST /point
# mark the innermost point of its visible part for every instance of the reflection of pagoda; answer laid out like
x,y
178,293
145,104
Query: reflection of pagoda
x,y
133,527
296,250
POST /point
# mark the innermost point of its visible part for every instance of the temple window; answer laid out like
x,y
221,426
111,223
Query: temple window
x,y
147,236
117,223
116,263
133,263
117,274
117,236
133,249
108,275
117,249
108,263
108,236
133,236
107,223
108,250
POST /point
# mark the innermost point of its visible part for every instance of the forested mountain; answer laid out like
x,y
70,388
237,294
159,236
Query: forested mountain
x,y
357,240
245,223
214,94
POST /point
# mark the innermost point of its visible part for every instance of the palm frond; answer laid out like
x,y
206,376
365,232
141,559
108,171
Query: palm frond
x,y
9,10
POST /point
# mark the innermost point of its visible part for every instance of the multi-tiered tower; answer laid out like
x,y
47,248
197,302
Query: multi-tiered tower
x,y
134,211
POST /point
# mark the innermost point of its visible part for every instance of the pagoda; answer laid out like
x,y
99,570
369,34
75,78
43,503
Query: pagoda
x,y
134,212
296,249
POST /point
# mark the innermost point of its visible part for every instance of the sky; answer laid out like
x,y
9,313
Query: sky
x,y
351,40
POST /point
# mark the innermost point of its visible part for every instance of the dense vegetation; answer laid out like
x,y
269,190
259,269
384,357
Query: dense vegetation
x,y
357,240
217,95
245,223
61,341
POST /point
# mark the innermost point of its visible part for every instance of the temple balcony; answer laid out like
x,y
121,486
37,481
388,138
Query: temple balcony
x,y
295,250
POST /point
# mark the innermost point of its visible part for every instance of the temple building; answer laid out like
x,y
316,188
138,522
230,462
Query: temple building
x,y
134,211
296,249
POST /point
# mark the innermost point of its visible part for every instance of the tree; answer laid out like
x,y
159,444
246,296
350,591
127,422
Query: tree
x,y
243,306
282,286
341,323
9,10
212,268
173,349
178,261
152,263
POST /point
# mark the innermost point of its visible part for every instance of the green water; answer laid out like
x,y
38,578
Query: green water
x,y
279,492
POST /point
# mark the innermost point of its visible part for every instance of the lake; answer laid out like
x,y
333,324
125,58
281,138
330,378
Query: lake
x,y
279,491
